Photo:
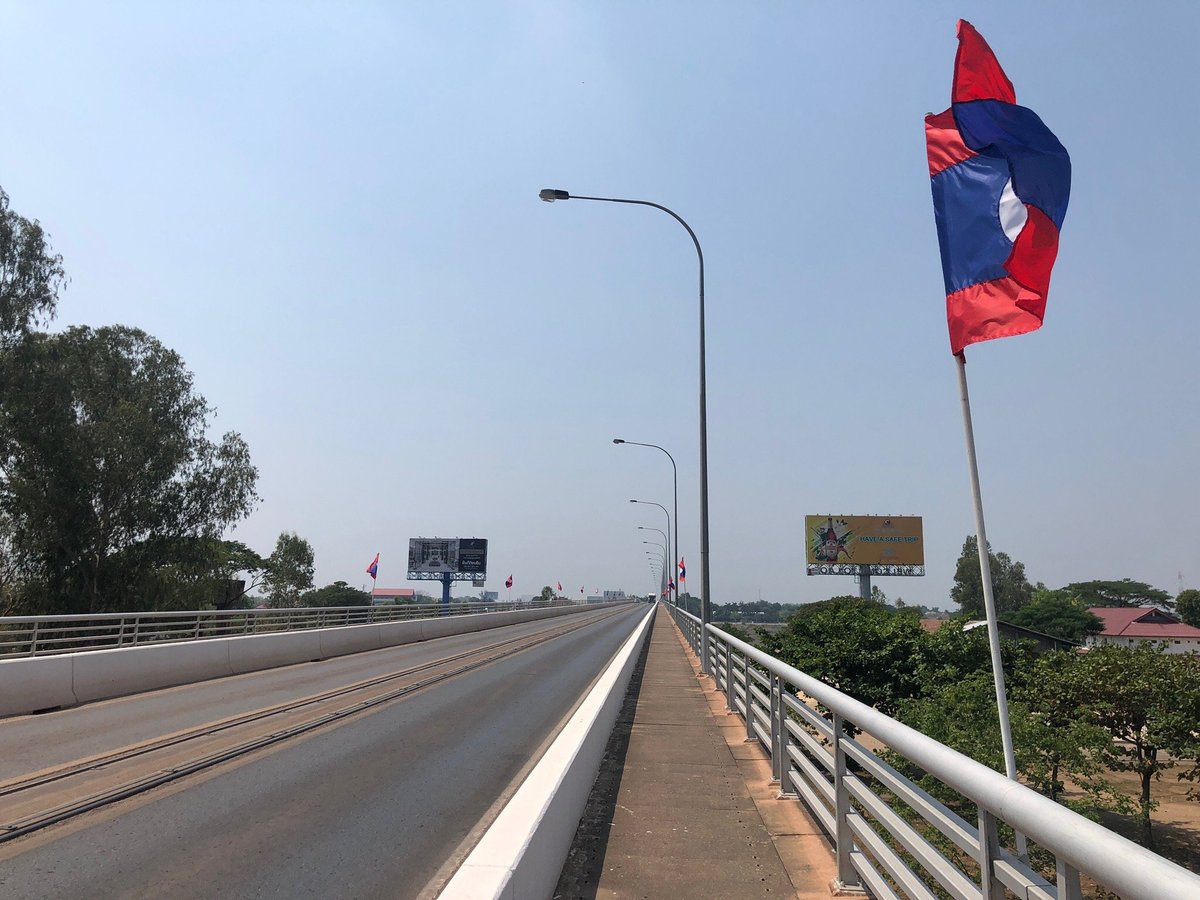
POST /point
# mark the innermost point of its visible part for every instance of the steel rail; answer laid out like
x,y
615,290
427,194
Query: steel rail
x,y
40,819
832,774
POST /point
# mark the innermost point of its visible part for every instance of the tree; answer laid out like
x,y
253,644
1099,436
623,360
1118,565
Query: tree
x,y
1187,605
1056,613
337,594
1010,587
1125,593
289,570
546,596
31,274
858,646
1149,703
107,474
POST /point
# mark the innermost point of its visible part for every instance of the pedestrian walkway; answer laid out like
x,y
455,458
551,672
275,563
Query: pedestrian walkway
x,y
683,807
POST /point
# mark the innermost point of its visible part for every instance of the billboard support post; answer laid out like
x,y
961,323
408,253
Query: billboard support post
x,y
864,582
447,579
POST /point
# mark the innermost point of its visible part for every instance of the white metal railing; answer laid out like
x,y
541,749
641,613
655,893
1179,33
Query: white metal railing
x,y
881,822
46,635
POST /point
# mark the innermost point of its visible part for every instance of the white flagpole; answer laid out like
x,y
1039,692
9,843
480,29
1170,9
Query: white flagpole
x,y
989,598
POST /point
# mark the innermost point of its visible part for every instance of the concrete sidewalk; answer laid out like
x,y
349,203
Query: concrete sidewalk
x,y
683,806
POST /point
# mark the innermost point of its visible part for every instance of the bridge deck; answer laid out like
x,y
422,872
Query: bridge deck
x,y
683,806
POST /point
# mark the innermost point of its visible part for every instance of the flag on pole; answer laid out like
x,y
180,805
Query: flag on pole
x,y
373,568
670,585
581,590
1001,181
508,582
560,587
682,570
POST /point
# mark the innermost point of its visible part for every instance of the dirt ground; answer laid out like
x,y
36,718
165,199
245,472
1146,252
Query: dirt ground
x,y
1176,822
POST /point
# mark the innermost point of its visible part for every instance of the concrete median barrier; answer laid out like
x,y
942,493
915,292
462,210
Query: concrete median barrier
x,y
51,682
32,684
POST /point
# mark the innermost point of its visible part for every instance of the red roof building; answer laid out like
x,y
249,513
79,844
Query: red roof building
x,y
1128,627
392,595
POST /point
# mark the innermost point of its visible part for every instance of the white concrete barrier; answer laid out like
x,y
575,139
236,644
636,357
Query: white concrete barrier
x,y
523,851
349,639
113,673
50,682
30,684
251,652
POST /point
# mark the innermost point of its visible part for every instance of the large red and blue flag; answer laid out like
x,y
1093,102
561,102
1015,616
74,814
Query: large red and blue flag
x,y
373,568
1001,181
682,570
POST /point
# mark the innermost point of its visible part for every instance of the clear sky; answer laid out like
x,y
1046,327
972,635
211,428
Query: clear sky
x,y
330,210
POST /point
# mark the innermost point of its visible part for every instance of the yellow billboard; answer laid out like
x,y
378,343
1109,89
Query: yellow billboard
x,y
864,540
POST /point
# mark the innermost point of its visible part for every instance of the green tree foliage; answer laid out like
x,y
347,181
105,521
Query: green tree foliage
x,y
1057,613
546,596
1011,588
337,594
289,571
1148,702
109,476
860,647
31,274
1125,593
1187,605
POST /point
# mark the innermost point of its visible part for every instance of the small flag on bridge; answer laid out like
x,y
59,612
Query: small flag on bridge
x,y
373,568
560,587
682,570
508,582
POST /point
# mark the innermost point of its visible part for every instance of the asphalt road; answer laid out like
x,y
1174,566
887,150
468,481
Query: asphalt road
x,y
373,807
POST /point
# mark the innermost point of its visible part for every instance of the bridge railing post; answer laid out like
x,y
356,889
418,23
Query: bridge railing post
x,y
989,851
848,876
776,736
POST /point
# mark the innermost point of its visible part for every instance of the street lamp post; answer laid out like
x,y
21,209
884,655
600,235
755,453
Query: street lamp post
x,y
552,194
664,547
675,489
657,546
666,571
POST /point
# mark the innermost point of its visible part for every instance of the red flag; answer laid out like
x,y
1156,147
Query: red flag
x,y
508,582
373,568
560,587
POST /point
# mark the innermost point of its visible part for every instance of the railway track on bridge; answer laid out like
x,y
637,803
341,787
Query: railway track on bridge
x,y
41,799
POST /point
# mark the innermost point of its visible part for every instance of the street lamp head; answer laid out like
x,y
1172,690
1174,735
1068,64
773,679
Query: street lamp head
x,y
551,194
618,441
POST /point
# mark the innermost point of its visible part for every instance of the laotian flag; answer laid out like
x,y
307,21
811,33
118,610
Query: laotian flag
x,y
682,570
1001,181
670,585
508,582
373,568
560,587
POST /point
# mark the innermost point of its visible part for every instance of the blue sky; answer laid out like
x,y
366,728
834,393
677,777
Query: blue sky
x,y
330,210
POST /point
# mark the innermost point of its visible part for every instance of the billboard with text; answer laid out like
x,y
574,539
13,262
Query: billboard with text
x,y
457,556
864,540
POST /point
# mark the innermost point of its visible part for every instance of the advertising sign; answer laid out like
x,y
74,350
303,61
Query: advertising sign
x,y
863,540
472,555
432,555
438,556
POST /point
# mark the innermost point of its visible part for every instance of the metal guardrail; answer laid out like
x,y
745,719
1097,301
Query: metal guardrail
x,y
22,636
881,822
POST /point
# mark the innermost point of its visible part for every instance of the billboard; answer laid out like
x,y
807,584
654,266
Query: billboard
x,y
863,540
439,556
472,555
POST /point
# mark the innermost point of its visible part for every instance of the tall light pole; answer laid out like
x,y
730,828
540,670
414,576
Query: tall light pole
x,y
657,546
675,489
666,571
552,194
666,548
